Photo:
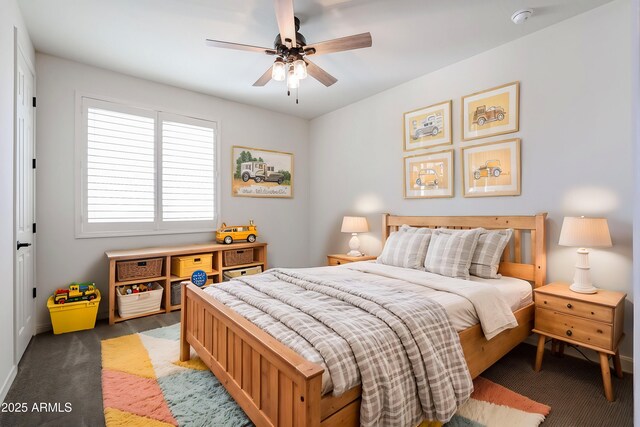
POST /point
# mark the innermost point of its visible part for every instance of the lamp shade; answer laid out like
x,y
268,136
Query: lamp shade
x,y
354,224
585,232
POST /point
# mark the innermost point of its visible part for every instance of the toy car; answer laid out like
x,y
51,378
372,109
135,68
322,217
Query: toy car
x,y
490,168
75,292
229,234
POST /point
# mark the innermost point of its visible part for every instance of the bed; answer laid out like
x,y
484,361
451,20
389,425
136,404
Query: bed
x,y
276,386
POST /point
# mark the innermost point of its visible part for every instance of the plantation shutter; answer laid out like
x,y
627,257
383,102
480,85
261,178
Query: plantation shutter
x,y
120,167
188,169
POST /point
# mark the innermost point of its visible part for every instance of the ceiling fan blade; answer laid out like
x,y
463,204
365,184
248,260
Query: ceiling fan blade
x,y
239,46
319,74
264,79
285,18
357,41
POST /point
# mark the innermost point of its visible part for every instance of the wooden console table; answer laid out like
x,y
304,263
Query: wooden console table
x,y
166,278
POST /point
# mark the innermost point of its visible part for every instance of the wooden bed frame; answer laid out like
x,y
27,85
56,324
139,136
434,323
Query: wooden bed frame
x,y
275,386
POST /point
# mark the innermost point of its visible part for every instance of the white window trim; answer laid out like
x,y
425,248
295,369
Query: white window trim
x,y
82,231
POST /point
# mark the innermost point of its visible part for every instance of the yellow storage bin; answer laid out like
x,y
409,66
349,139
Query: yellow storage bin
x,y
184,266
73,316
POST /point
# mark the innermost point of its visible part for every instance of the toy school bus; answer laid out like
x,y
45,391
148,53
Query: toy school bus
x,y
76,292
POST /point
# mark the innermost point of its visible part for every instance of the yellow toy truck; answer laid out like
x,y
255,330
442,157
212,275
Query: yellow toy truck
x,y
76,292
229,234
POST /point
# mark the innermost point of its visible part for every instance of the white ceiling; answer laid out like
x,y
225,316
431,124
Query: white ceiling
x,y
163,40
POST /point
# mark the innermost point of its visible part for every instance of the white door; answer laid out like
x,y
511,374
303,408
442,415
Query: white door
x,y
24,207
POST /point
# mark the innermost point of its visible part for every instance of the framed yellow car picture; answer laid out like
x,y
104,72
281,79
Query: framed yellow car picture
x,y
427,127
491,112
428,176
491,169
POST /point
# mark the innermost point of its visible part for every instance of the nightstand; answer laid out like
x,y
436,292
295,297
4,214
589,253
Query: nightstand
x,y
594,321
339,259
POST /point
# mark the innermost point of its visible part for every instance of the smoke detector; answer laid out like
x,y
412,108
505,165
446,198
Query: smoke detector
x,y
520,16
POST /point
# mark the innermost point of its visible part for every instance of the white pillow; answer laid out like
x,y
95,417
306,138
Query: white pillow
x,y
486,258
450,252
406,248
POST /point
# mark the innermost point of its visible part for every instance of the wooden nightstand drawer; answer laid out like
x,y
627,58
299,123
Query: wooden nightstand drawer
x,y
575,328
339,259
576,308
335,261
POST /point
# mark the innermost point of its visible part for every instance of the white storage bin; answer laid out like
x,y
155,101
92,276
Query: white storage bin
x,y
141,303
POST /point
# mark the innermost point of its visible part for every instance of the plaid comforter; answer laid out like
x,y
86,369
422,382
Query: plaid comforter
x,y
399,346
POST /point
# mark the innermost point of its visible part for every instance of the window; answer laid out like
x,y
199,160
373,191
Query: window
x,y
144,171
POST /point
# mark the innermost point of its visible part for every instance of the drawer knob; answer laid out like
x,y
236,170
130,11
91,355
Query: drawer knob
x,y
569,305
545,302
338,262
569,333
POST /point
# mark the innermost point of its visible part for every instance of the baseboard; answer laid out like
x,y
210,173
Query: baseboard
x,y
43,327
625,361
7,382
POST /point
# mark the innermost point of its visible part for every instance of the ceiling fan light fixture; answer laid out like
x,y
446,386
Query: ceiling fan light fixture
x,y
279,70
300,69
292,81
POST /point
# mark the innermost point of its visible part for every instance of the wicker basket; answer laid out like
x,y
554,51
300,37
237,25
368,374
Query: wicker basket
x,y
238,257
139,269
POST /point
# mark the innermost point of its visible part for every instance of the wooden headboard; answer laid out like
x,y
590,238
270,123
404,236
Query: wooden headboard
x,y
513,261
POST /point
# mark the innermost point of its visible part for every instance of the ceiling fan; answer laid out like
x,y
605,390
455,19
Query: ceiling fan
x,y
292,51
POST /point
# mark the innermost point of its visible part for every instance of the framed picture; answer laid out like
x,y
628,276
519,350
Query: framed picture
x,y
427,127
491,169
491,112
261,173
428,176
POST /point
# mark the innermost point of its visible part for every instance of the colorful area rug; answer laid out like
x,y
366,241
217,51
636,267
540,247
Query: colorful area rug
x,y
144,384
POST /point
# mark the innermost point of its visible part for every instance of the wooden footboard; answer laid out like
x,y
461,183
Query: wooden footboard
x,y
273,384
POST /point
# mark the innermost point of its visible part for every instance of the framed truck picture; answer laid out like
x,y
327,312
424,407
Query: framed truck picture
x,y
491,169
491,112
428,176
427,127
261,173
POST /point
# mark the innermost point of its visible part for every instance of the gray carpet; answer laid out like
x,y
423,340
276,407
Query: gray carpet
x,y
571,386
66,368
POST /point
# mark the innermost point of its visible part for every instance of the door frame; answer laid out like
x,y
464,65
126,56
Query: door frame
x,y
20,51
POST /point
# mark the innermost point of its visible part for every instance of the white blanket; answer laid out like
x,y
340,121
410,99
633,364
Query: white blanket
x,y
494,313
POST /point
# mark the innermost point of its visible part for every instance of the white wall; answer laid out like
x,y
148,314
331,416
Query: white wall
x,y
10,20
576,144
63,259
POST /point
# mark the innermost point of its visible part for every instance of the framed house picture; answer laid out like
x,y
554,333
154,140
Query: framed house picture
x,y
491,169
427,127
491,112
428,176
261,173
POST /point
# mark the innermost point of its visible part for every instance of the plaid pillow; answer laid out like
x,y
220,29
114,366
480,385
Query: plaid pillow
x,y
407,247
450,252
486,258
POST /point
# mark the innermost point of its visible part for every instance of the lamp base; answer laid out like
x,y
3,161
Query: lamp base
x,y
581,289
582,277
354,245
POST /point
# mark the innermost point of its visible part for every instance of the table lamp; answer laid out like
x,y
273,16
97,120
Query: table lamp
x,y
584,233
354,225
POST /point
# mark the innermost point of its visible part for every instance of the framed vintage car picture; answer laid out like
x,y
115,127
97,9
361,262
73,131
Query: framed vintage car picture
x,y
261,173
491,169
427,127
491,112
429,175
